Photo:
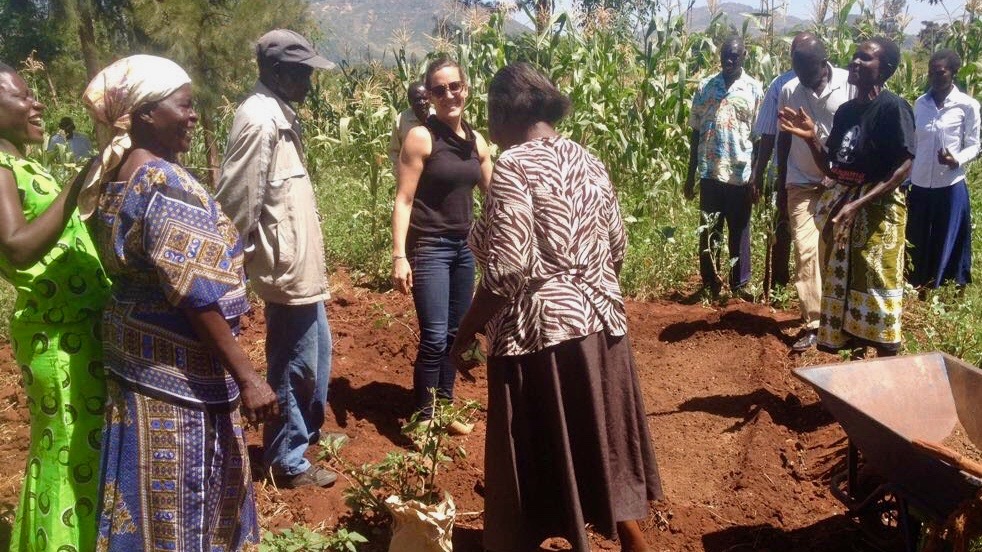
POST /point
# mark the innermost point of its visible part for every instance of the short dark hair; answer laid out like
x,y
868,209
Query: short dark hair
x,y
951,58
520,94
733,40
889,56
441,63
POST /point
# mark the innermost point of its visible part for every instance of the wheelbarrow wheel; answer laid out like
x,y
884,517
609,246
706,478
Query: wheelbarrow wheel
x,y
880,515
881,526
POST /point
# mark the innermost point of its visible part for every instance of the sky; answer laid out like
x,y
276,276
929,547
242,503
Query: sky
x,y
919,10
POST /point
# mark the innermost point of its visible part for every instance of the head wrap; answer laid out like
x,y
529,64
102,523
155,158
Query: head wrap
x,y
111,98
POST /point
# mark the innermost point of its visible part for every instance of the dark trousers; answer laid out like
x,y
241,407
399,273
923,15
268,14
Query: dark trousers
x,y
781,248
732,203
443,285
939,230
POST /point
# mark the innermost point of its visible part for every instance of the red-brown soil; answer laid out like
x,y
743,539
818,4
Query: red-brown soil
x,y
744,448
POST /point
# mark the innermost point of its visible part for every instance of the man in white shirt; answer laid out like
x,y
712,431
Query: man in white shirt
x,y
76,142
939,218
818,90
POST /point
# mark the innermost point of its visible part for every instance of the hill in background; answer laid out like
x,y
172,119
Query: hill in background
x,y
357,30
698,18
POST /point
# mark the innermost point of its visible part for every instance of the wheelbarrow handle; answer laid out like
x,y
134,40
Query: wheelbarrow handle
x,y
955,459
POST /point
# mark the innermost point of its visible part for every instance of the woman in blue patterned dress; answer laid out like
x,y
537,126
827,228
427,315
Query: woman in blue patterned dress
x,y
175,472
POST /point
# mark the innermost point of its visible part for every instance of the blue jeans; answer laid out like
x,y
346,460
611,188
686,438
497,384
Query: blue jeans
x,y
298,352
443,286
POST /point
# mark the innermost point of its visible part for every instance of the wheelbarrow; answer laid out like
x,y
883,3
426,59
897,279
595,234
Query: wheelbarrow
x,y
885,405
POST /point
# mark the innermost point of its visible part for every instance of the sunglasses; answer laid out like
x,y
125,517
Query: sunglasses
x,y
440,90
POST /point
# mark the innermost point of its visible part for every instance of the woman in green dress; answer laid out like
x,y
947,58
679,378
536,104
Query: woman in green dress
x,y
47,255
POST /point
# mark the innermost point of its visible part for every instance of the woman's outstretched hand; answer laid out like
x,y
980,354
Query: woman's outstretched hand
x,y
797,123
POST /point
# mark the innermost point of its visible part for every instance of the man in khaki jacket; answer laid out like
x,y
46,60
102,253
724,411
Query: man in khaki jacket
x,y
266,191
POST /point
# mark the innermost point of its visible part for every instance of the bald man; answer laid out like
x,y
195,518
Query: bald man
x,y
818,90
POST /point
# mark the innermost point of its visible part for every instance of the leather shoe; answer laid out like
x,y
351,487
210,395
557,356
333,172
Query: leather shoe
x,y
460,428
808,340
315,476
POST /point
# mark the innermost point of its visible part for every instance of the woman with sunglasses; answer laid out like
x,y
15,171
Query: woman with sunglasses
x,y
439,165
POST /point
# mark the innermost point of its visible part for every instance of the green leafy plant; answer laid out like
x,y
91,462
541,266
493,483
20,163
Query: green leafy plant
x,y
410,475
300,538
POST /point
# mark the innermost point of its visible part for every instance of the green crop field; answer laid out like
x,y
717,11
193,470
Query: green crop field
x,y
631,85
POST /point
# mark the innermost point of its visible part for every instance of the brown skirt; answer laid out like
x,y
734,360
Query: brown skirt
x,y
567,445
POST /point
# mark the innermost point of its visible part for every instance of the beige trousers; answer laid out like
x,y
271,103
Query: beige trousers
x,y
802,210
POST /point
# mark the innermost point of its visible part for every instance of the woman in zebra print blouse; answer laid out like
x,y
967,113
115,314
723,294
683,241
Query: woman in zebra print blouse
x,y
566,420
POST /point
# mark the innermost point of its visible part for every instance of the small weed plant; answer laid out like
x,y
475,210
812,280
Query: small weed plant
x,y
410,475
300,538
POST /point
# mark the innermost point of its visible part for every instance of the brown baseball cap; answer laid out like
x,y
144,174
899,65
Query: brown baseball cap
x,y
286,46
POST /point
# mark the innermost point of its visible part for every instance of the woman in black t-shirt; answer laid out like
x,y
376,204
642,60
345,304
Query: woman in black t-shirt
x,y
869,153
440,163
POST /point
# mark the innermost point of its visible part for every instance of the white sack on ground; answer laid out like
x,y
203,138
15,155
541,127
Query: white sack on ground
x,y
418,527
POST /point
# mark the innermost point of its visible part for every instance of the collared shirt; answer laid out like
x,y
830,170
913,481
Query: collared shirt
x,y
821,108
954,126
78,144
767,118
266,191
548,240
724,118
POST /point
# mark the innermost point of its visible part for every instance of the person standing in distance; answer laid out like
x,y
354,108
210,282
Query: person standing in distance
x,y
939,220
766,128
76,142
419,110
266,191
721,149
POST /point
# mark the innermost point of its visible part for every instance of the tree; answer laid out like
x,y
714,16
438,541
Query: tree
x,y
932,34
213,41
24,29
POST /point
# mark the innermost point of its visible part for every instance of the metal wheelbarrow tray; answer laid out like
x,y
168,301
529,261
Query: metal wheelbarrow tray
x,y
884,404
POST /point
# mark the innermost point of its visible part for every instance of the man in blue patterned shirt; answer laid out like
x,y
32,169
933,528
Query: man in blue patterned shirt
x,y
721,149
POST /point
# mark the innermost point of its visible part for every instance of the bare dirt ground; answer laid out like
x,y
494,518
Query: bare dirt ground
x,y
744,448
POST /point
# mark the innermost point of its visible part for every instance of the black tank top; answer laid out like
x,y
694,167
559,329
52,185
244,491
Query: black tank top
x,y
444,205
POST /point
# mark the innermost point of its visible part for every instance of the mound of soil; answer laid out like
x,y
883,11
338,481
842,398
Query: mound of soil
x,y
744,448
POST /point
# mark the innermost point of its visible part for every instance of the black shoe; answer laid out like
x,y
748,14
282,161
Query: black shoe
x,y
743,294
808,340
315,476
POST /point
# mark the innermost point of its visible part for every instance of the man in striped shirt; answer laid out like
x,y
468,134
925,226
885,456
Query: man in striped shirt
x,y
766,129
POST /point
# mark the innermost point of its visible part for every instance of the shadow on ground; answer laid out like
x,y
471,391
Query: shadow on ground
x,y
743,323
834,534
381,404
787,411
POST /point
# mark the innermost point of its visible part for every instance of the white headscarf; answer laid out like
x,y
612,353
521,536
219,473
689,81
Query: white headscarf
x,y
112,96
